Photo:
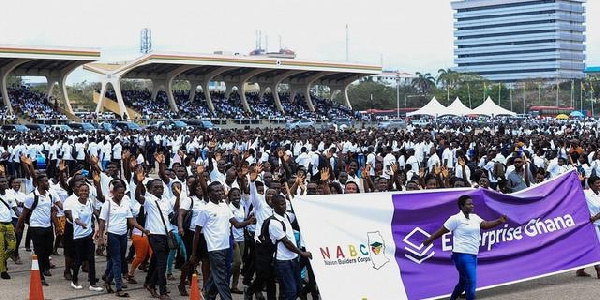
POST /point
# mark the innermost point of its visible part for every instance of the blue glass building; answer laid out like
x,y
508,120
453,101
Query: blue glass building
x,y
511,40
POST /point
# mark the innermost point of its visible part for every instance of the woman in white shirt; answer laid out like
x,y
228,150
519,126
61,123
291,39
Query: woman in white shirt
x,y
465,227
82,212
115,216
234,197
592,197
189,209
15,193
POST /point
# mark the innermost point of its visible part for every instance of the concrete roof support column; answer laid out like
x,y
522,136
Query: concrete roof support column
x,y
170,77
206,84
242,87
306,89
4,72
333,91
346,85
274,84
275,93
157,85
101,98
193,87
116,83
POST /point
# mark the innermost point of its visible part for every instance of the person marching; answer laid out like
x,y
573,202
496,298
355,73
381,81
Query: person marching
x,y
465,227
7,230
82,212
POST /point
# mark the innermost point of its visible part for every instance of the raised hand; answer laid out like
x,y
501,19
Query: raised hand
x,y
176,190
243,171
364,173
25,159
94,160
445,172
255,171
421,172
96,177
2,171
325,174
461,162
160,157
218,156
212,144
62,166
437,169
139,174
394,168
199,170
180,153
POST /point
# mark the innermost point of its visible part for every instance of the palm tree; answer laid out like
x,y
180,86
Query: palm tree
x,y
423,82
448,79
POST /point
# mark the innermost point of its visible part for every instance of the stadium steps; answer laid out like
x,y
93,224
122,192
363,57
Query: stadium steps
x,y
112,105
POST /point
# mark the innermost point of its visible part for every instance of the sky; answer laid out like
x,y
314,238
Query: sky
x,y
406,35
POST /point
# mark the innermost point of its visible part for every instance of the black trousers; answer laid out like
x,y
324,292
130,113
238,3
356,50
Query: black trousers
x,y
248,259
84,251
265,274
158,263
43,241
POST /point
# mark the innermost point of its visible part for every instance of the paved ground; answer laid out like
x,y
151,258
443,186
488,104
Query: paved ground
x,y
561,286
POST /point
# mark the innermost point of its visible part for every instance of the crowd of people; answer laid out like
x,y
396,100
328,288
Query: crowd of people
x,y
199,201
230,106
34,105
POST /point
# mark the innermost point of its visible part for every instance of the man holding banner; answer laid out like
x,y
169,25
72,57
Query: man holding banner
x,y
465,227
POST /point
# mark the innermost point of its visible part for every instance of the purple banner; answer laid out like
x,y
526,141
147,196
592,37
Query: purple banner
x,y
548,230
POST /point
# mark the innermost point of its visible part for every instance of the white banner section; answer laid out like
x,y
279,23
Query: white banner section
x,y
350,237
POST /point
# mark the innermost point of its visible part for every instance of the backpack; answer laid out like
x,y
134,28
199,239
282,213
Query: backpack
x,y
269,249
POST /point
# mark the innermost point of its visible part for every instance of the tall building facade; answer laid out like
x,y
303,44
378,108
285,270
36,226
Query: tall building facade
x,y
512,40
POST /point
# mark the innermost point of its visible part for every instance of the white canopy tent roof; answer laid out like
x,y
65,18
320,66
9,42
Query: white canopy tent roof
x,y
433,108
490,109
457,108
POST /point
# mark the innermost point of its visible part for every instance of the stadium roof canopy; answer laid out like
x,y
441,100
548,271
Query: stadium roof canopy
x,y
54,63
234,71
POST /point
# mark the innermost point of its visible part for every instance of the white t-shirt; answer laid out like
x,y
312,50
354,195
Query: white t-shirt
x,y
117,218
41,215
154,222
69,204
214,220
7,212
19,198
466,236
240,215
593,203
84,213
277,233
262,210
196,207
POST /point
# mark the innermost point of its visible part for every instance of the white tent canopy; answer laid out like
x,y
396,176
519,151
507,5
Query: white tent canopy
x,y
457,108
490,109
433,108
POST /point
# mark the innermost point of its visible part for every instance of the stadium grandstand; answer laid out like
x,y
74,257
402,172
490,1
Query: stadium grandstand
x,y
235,102
55,64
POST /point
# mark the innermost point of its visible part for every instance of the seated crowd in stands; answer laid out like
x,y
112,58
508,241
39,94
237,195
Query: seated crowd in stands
x,y
34,105
262,106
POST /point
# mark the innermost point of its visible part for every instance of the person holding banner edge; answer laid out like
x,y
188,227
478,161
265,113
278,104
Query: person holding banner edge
x,y
465,227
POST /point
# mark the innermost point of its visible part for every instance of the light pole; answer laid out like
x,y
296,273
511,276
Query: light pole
x,y
397,96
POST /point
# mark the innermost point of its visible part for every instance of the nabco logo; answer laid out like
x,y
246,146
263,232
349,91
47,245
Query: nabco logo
x,y
415,250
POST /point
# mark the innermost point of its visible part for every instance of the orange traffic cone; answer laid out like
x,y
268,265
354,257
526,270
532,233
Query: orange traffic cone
x,y
35,281
194,290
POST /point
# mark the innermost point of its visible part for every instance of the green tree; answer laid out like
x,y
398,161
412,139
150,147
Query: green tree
x,y
423,82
